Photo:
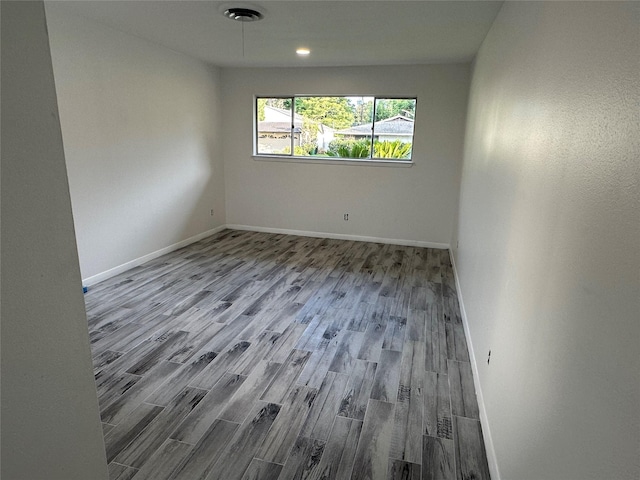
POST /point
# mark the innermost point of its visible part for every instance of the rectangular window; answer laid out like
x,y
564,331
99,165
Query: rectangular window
x,y
346,127
274,126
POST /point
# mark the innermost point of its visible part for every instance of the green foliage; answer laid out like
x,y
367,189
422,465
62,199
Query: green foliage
x,y
301,150
395,149
338,142
261,103
281,103
334,112
349,149
309,131
339,112
363,112
390,107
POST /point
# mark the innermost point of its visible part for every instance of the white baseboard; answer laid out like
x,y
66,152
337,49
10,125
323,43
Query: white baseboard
x,y
340,236
484,420
303,233
145,258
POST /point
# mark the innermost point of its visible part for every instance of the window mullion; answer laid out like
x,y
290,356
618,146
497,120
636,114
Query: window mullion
x,y
293,124
373,126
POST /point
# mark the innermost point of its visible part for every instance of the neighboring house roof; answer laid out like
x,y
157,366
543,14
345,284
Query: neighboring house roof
x,y
273,114
277,120
277,127
398,125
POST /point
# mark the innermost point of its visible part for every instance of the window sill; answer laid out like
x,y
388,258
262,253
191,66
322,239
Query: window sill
x,y
338,161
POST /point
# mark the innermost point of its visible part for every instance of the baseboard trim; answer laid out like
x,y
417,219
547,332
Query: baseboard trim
x,y
340,236
150,256
303,233
484,420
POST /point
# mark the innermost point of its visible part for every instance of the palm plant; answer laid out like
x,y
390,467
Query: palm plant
x,y
349,149
395,149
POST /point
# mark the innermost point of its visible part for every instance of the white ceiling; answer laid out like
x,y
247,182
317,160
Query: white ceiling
x,y
337,32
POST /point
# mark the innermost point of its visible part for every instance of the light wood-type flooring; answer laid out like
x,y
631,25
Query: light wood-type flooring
x,y
262,356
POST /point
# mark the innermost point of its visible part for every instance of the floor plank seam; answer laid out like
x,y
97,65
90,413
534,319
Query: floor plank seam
x,y
374,321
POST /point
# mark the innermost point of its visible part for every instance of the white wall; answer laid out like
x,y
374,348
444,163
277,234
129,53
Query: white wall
x,y
412,204
141,129
50,422
549,232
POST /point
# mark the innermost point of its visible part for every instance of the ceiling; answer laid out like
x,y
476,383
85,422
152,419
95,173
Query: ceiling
x,y
338,33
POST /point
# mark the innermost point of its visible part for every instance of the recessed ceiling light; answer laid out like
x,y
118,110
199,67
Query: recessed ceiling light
x,y
303,51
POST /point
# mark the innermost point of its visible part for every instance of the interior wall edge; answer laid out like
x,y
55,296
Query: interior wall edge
x,y
49,405
492,459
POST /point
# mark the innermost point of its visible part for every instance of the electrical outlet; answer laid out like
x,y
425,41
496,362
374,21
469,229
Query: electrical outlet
x,y
211,212
489,357
346,217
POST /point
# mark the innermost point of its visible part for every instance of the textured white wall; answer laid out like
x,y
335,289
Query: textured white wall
x,y
141,134
50,423
549,232
415,204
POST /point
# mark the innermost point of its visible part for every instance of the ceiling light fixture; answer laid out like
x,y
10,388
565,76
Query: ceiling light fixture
x,y
243,15
303,51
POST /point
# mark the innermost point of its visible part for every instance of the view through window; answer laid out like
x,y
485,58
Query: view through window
x,y
348,127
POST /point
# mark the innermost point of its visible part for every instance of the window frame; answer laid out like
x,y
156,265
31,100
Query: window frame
x,y
291,157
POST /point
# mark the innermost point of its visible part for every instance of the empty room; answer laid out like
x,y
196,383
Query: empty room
x,y
320,240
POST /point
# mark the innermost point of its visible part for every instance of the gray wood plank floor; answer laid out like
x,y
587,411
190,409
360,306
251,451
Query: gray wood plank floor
x,y
261,356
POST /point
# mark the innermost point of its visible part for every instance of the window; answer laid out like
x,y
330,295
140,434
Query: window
x,y
348,127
